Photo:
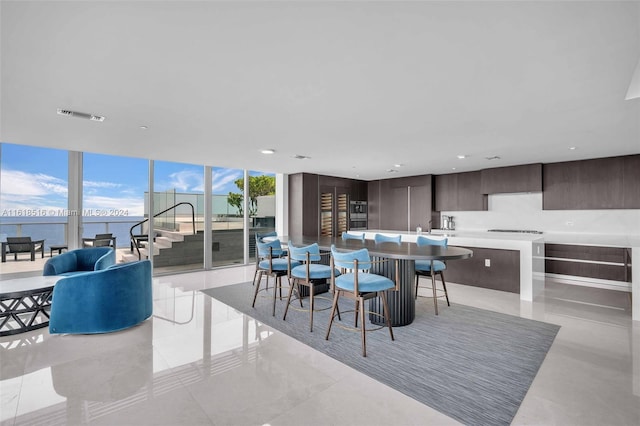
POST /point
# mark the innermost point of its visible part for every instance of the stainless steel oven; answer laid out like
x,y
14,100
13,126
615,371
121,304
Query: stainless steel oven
x,y
358,215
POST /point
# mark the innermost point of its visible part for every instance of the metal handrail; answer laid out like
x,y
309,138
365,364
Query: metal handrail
x,y
193,221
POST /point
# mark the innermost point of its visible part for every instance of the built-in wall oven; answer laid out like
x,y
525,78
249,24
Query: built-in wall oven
x,y
358,215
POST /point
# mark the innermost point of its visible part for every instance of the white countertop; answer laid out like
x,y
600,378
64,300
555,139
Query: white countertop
x,y
594,239
496,236
604,240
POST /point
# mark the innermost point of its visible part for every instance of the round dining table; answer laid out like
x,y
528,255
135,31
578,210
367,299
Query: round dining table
x,y
402,302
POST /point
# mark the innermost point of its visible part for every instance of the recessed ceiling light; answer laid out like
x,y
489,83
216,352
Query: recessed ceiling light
x,y
453,168
462,156
144,127
268,151
77,114
572,148
398,165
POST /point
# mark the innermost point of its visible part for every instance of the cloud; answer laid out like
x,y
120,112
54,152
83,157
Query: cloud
x,y
27,185
23,192
223,177
186,181
94,184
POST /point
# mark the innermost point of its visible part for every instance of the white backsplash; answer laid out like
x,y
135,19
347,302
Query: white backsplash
x,y
524,211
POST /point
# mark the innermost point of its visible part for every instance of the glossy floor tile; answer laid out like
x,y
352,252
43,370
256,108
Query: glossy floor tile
x,y
198,361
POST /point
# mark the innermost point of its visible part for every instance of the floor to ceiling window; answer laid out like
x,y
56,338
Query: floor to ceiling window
x,y
113,189
178,206
262,203
227,216
33,199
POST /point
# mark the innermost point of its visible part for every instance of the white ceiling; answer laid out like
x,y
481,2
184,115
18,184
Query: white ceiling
x,y
356,86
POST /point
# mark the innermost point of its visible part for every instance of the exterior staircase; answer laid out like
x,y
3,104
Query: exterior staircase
x,y
173,248
164,243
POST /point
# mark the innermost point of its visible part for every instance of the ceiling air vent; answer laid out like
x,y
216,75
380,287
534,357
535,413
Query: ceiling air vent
x,y
495,157
77,114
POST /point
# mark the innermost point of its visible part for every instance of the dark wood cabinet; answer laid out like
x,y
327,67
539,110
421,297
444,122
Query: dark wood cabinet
x,y
359,190
420,206
559,181
304,207
459,192
608,263
602,183
446,189
306,211
400,204
502,180
373,204
470,198
503,274
631,182
393,205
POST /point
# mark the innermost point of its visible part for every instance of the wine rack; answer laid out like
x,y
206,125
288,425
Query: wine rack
x,y
343,213
326,214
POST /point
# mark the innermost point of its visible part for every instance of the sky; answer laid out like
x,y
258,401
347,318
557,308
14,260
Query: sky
x,y
33,181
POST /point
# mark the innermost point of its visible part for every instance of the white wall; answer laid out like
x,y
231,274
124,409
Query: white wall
x,y
524,211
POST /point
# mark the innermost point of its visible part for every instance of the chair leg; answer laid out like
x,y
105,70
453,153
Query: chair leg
x,y
286,309
311,307
277,282
444,286
336,296
417,282
362,327
435,294
255,294
299,293
356,315
387,315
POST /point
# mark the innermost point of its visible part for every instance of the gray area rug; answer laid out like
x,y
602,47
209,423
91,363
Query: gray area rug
x,y
468,363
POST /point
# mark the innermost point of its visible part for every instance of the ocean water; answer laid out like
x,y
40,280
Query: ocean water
x,y
52,229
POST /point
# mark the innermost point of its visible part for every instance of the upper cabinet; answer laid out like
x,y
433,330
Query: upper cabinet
x,y
602,183
459,192
400,204
631,183
501,180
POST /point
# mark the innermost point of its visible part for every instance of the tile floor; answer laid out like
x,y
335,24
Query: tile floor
x,y
200,362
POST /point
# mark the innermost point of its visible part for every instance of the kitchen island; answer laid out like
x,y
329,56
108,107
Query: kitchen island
x,y
529,246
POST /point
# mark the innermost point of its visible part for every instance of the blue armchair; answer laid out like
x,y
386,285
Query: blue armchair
x,y
102,301
80,260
